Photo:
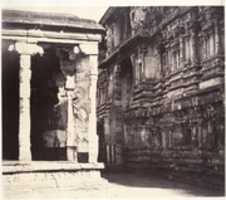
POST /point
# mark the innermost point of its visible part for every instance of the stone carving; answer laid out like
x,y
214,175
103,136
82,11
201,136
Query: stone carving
x,y
109,39
137,19
73,85
81,109
179,117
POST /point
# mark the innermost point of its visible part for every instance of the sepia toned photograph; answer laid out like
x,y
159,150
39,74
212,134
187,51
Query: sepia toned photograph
x,y
113,102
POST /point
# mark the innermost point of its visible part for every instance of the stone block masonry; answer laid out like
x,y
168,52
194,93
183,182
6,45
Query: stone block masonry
x,y
161,89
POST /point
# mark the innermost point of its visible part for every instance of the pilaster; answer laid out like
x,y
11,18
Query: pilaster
x,y
91,49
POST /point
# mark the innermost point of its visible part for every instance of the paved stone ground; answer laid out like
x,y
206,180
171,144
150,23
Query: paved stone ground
x,y
123,186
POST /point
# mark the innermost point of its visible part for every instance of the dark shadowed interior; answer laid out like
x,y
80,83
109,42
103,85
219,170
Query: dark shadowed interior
x,y
10,102
43,98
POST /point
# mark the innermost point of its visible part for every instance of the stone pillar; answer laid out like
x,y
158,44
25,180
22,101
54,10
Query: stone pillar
x,y
91,49
25,50
199,133
107,136
219,49
181,44
194,43
71,134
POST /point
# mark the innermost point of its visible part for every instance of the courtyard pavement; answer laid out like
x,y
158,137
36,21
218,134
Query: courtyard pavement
x,y
124,186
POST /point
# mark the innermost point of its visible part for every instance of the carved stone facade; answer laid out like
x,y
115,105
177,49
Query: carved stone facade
x,y
161,89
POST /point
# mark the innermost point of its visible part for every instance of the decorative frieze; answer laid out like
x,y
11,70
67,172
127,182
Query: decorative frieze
x,y
166,114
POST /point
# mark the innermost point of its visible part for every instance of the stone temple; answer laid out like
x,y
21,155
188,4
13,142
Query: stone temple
x,y
160,99
140,91
49,71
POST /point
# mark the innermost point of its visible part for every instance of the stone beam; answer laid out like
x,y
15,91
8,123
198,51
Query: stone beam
x,y
37,35
89,48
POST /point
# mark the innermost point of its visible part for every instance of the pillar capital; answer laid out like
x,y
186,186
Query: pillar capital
x,y
89,48
28,48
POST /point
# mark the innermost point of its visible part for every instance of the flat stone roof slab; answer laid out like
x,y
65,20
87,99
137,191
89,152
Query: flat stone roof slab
x,y
41,19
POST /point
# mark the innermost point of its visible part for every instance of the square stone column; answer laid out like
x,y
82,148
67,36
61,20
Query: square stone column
x,y
71,133
25,50
91,49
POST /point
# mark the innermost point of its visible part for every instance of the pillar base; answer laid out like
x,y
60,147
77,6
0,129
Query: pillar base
x,y
19,177
72,154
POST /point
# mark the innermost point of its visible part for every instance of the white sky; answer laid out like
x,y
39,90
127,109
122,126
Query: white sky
x,y
93,9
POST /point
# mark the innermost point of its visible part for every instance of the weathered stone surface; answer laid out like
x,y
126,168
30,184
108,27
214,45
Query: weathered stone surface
x,y
50,19
45,175
174,118
58,101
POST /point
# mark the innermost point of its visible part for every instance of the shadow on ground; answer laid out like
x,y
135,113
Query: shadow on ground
x,y
152,182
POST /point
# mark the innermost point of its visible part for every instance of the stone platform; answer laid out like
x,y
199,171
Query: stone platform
x,y
28,176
